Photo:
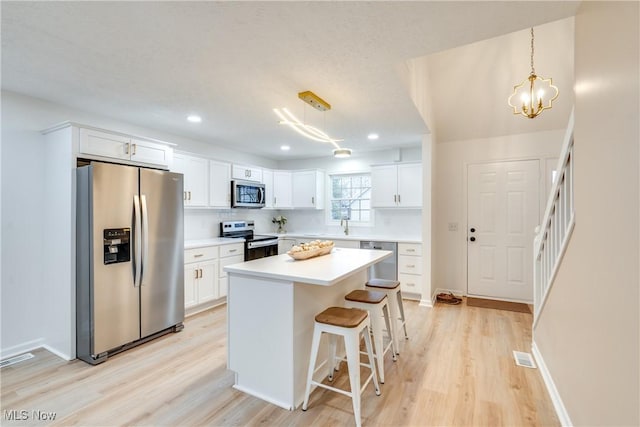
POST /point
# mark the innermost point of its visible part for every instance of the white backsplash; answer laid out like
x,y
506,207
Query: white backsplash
x,y
204,224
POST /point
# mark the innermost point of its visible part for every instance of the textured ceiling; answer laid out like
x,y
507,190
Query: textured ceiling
x,y
153,63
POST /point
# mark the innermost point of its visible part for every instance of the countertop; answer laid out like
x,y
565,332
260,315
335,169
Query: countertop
x,y
371,237
325,270
216,241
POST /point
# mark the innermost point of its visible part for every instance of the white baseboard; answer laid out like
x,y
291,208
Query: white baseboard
x,y
561,411
58,353
426,303
6,353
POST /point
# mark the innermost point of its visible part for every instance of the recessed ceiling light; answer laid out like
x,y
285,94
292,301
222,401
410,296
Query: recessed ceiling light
x,y
194,119
285,147
373,136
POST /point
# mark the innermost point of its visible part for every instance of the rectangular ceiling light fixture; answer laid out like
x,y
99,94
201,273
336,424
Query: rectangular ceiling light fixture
x,y
314,100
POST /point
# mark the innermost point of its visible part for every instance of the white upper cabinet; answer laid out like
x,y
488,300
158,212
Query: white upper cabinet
x,y
219,184
114,146
267,180
150,152
277,188
308,189
410,185
282,190
247,173
196,179
384,186
396,186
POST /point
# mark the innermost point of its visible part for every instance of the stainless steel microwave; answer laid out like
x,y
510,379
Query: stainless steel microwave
x,y
247,194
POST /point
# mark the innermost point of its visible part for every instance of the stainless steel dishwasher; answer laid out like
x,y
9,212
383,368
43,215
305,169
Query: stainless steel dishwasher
x,y
388,267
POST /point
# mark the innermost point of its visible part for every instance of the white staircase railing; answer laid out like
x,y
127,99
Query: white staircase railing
x,y
557,224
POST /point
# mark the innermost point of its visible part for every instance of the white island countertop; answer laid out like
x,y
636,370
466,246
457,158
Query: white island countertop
x,y
325,270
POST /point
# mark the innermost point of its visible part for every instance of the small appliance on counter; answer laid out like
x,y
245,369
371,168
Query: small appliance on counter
x,y
255,245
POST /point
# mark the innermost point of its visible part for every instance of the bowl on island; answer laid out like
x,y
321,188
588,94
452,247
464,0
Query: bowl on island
x,y
311,249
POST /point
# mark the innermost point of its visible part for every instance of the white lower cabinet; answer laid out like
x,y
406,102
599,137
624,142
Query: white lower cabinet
x,y
285,244
205,281
410,267
200,276
353,244
229,254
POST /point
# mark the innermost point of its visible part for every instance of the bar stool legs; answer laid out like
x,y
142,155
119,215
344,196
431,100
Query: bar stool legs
x,y
376,303
350,324
392,289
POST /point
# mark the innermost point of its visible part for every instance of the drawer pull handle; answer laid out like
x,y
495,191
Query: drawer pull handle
x,y
411,250
411,284
198,255
233,250
411,266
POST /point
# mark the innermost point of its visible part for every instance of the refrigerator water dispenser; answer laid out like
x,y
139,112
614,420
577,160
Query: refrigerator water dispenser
x,y
116,245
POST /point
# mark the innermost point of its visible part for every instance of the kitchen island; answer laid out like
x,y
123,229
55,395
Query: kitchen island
x,y
271,306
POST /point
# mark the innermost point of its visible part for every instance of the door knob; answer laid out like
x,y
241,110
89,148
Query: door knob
x,y
473,239
473,230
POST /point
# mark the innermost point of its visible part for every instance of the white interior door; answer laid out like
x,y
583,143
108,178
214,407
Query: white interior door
x,y
502,214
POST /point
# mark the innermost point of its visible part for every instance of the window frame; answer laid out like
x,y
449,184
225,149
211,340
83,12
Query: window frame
x,y
330,199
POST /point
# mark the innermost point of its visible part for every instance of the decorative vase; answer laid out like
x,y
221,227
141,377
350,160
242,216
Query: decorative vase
x,y
281,229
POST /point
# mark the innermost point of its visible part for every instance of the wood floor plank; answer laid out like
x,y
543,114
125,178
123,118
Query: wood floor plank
x,y
456,369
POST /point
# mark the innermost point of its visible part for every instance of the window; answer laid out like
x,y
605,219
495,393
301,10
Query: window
x,y
351,197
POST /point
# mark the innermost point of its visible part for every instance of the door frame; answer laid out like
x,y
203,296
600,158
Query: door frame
x,y
465,203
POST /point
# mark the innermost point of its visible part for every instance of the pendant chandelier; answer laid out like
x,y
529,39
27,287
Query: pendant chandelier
x,y
534,95
311,132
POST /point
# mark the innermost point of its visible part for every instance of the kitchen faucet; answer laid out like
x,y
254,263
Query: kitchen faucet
x,y
344,222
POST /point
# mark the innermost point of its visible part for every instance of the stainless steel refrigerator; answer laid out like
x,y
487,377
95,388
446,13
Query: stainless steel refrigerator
x,y
130,257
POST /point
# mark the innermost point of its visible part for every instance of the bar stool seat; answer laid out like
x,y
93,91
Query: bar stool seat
x,y
376,303
392,289
349,323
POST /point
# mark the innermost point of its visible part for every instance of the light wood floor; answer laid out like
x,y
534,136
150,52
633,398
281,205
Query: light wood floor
x,y
456,369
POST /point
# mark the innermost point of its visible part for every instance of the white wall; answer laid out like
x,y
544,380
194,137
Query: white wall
x,y
589,329
23,164
29,316
450,204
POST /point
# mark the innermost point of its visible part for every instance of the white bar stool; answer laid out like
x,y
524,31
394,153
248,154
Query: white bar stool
x,y
376,304
348,323
392,289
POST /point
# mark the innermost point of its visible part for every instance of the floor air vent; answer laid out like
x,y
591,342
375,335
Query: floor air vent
x,y
524,359
16,359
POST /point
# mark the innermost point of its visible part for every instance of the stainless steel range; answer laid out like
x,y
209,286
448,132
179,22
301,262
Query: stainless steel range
x,y
256,245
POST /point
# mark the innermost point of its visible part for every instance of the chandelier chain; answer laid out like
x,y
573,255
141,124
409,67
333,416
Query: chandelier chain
x,y
533,71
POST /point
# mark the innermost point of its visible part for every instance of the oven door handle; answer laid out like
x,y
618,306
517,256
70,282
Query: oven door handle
x,y
262,244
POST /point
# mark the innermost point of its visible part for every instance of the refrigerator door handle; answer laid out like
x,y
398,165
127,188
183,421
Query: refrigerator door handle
x,y
137,241
145,235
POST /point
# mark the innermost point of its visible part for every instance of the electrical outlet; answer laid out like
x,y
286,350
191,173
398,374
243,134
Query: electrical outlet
x,y
453,226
